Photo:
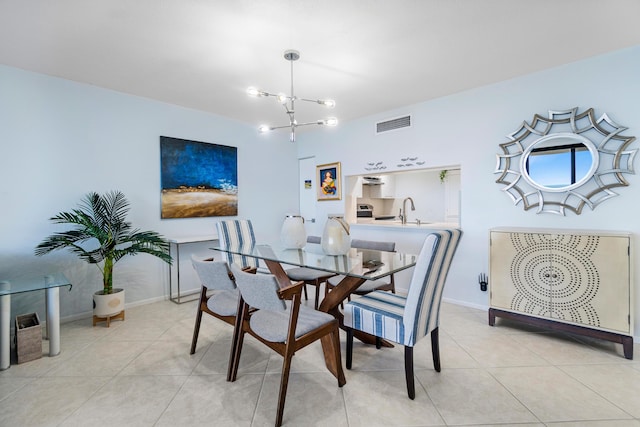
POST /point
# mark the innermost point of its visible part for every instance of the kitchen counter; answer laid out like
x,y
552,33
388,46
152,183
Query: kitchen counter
x,y
396,224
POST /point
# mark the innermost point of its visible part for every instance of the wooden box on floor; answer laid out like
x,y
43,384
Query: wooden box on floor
x,y
28,337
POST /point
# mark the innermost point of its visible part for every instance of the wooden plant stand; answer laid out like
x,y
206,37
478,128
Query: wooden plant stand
x,y
107,319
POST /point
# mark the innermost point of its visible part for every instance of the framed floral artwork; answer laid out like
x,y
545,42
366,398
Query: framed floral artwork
x,y
329,181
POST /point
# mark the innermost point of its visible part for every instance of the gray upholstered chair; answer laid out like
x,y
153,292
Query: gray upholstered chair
x,y
405,320
218,294
308,275
384,284
237,234
285,327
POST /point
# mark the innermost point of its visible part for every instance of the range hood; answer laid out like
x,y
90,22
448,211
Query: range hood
x,y
372,180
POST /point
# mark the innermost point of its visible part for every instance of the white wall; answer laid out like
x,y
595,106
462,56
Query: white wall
x,y
60,140
465,129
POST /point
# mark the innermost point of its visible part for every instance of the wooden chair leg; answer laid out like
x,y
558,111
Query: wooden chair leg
x,y
284,383
237,341
435,349
317,296
408,371
349,347
234,357
196,327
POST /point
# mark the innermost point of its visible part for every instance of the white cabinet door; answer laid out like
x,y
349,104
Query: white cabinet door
x,y
590,281
386,190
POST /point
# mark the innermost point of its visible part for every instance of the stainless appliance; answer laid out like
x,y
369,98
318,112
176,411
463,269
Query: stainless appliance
x,y
364,211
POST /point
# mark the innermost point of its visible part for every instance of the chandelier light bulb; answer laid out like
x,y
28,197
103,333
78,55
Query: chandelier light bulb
x,y
331,121
329,103
252,91
264,128
282,98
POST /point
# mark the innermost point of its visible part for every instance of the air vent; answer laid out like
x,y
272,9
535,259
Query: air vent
x,y
400,122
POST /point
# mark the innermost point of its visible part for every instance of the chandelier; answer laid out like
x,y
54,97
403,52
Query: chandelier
x,y
288,102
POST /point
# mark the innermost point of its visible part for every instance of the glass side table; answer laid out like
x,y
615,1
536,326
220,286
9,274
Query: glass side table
x,y
51,284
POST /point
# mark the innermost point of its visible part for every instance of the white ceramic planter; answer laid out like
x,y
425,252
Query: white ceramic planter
x,y
108,305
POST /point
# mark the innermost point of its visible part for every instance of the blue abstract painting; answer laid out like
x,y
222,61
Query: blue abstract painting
x,y
198,179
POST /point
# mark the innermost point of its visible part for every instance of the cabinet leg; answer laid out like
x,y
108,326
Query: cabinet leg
x,y
627,346
492,317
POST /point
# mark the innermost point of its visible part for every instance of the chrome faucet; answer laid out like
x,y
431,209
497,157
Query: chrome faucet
x,y
403,215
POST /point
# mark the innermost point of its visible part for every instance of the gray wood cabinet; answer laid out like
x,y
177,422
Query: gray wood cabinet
x,y
572,280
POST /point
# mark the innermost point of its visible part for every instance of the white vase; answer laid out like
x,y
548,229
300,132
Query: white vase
x,y
336,239
292,234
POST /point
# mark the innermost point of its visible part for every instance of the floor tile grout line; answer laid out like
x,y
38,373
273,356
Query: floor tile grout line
x,y
488,371
592,389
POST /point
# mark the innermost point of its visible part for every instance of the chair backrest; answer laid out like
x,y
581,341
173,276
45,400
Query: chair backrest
x,y
213,274
374,245
422,308
237,234
259,290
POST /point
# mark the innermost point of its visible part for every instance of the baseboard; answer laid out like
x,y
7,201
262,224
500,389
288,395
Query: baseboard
x,y
465,304
89,314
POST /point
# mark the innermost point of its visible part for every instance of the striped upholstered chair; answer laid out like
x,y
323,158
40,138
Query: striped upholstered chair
x,y
405,320
237,233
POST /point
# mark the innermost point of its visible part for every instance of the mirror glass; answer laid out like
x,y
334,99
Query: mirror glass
x,y
559,162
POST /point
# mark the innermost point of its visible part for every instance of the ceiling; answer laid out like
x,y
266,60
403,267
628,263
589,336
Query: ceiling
x,y
368,55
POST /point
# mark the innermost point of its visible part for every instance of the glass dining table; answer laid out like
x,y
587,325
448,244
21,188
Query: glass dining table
x,y
357,266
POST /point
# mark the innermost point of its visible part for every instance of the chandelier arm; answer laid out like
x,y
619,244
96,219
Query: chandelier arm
x,y
317,122
315,101
281,127
286,108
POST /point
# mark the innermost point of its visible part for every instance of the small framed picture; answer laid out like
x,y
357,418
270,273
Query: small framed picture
x,y
329,181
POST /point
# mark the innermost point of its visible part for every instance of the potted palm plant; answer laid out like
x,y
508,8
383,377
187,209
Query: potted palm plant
x,y
102,236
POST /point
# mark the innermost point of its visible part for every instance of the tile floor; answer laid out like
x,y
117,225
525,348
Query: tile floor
x,y
139,373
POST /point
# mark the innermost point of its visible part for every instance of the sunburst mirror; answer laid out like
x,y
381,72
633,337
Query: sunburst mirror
x,y
565,161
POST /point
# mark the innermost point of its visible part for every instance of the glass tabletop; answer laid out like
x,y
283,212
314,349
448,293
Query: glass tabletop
x,y
363,263
32,283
